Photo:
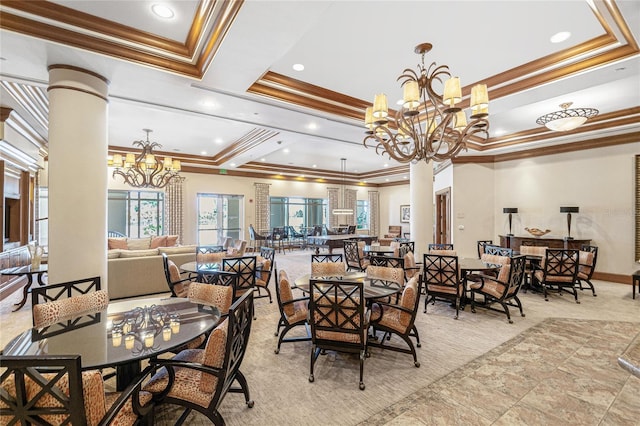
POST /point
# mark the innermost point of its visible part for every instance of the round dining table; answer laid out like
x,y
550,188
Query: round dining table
x,y
373,288
120,336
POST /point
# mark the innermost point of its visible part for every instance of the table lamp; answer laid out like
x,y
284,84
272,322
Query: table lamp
x,y
510,210
568,211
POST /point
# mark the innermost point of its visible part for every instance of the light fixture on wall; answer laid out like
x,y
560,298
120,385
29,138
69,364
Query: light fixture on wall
x,y
145,170
342,209
428,126
568,211
567,118
510,210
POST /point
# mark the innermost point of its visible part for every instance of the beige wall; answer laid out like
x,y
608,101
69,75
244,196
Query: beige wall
x,y
599,181
473,207
391,198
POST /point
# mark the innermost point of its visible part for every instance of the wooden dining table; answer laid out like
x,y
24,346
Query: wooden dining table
x,y
120,336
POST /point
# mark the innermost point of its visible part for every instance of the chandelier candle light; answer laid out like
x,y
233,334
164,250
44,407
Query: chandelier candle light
x,y
428,126
145,170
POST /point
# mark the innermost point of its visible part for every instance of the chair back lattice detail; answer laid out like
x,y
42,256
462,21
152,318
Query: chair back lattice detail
x,y
352,255
240,319
388,261
335,257
561,263
440,247
337,308
497,251
407,246
209,254
441,270
53,292
268,253
245,268
481,246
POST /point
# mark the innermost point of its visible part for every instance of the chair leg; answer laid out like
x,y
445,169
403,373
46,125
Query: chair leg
x,y
593,289
417,336
314,355
473,301
242,381
362,357
413,350
544,289
506,311
457,306
517,299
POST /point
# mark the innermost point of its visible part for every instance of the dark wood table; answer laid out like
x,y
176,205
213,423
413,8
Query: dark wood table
x,y
331,242
373,288
515,241
468,265
28,272
119,335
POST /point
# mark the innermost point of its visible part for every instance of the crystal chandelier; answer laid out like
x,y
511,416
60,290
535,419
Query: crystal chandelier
x,y
145,170
428,126
566,119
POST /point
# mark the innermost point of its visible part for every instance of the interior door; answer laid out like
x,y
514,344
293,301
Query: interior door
x,y
443,217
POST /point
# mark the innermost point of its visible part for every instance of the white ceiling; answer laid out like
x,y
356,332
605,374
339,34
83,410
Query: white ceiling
x,y
355,48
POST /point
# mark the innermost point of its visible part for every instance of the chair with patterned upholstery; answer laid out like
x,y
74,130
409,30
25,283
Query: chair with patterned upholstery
x,y
388,261
327,269
237,249
442,280
411,267
43,389
54,303
245,268
481,246
264,272
293,311
178,284
210,254
558,270
586,265
333,257
534,256
354,256
398,319
219,296
502,289
338,320
199,379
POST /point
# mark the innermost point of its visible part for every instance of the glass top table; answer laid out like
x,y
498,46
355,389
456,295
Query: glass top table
x,y
373,288
121,335
27,271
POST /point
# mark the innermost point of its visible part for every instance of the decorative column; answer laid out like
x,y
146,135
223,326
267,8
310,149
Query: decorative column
x,y
421,193
78,125
174,207
374,213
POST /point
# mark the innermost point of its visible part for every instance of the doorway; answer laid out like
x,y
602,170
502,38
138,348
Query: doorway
x,y
443,217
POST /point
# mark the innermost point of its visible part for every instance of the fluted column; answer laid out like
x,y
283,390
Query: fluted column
x,y
421,193
78,125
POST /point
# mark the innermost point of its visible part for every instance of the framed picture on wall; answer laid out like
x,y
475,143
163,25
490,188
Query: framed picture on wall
x,y
405,214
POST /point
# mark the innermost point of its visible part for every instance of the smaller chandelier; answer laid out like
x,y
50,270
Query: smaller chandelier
x,y
428,126
566,119
344,210
145,170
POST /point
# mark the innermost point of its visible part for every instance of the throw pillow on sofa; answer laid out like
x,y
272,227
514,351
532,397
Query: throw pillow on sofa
x,y
160,241
139,243
113,253
172,240
117,243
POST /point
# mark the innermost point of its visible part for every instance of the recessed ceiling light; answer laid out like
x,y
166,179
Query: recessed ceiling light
x,y
301,176
399,102
312,126
499,132
208,104
386,180
386,165
263,159
298,67
232,164
218,141
364,181
286,150
162,11
404,177
314,166
204,153
560,37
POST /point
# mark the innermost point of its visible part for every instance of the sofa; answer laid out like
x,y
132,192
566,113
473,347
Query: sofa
x,y
136,269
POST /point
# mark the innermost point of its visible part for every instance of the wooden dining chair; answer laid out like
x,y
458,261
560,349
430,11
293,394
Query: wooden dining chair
x,y
558,271
587,265
481,246
293,311
177,282
355,259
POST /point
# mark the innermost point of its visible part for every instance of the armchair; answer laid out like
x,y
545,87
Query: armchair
x,y
442,280
502,289
586,265
293,311
559,270
338,321
178,285
66,395
199,379
399,319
